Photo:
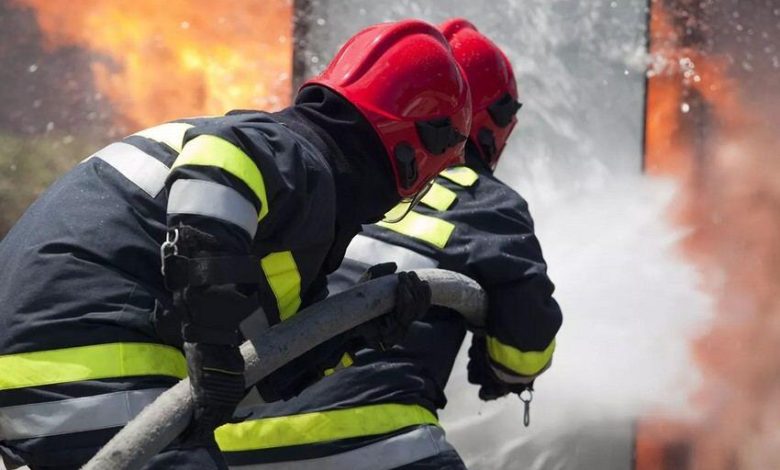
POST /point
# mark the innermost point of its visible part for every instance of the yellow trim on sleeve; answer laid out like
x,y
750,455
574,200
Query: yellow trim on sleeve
x,y
171,134
283,276
523,362
209,150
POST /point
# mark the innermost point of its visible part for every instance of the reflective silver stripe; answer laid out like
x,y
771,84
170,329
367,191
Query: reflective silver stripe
x,y
514,379
74,414
418,444
511,378
372,251
212,200
144,170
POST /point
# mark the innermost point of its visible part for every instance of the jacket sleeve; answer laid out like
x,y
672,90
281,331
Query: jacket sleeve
x,y
218,183
505,257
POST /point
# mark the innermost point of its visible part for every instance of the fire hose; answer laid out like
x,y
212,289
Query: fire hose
x,y
163,420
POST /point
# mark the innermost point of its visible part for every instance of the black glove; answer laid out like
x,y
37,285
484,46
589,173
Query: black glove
x,y
412,301
216,374
216,369
480,372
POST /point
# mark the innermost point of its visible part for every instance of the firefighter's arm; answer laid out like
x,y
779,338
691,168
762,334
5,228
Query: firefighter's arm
x,y
519,339
523,317
217,199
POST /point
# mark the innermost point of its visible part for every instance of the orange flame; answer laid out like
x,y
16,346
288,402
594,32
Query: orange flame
x,y
157,61
699,129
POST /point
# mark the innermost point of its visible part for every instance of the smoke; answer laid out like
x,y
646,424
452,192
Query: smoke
x,y
631,306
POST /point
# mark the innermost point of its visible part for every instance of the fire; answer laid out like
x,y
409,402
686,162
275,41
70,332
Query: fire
x,y
699,129
157,61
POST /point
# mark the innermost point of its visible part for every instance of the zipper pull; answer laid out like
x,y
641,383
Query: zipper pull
x,y
526,396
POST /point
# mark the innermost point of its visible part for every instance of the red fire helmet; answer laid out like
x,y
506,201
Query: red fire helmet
x,y
493,87
404,79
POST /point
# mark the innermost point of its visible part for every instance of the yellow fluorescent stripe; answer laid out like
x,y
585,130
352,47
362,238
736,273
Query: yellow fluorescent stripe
x,y
524,363
422,227
461,175
282,274
171,134
100,361
346,361
309,428
439,197
209,150
397,211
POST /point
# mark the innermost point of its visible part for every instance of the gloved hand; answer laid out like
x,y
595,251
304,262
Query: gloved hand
x,y
412,301
216,374
480,372
216,369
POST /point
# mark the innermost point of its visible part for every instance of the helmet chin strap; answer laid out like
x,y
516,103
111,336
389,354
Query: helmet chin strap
x,y
397,213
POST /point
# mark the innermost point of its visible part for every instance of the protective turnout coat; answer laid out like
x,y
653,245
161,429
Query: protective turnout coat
x,y
380,412
86,334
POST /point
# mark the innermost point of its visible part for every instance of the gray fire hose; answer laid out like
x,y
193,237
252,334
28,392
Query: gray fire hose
x,y
162,421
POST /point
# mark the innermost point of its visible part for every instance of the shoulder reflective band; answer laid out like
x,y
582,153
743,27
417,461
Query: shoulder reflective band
x,y
394,452
100,361
461,175
372,251
282,275
54,418
321,426
346,361
212,200
439,197
209,150
422,227
142,169
524,363
171,134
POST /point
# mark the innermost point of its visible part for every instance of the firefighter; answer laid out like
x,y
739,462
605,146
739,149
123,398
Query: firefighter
x,y
380,411
136,268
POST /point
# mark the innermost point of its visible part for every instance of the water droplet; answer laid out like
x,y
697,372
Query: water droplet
x,y
49,126
320,21
685,107
184,25
32,68
314,59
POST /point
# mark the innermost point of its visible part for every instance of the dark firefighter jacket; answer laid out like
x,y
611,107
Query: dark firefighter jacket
x,y
84,341
470,222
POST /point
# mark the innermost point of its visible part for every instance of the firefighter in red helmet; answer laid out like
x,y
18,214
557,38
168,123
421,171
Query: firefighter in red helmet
x,y
380,411
136,268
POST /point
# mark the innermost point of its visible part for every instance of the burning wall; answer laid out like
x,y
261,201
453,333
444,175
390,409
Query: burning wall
x,y
187,57
711,124
81,73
